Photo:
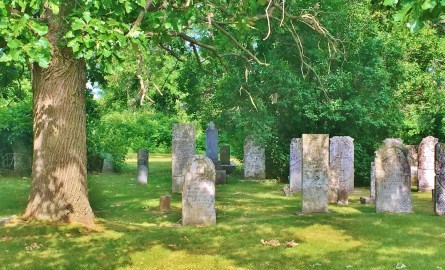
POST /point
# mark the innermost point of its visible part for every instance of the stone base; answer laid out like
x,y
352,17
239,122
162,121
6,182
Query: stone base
x,y
220,177
367,200
228,168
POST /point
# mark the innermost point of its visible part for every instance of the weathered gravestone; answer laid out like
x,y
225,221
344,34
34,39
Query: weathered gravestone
x,y
371,198
296,161
224,158
254,160
212,152
315,173
164,203
439,188
198,195
142,168
107,166
341,163
413,163
392,178
426,164
183,148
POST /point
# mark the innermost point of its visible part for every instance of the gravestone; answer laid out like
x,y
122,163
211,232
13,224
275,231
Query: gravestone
x,y
315,173
254,160
372,180
107,166
22,156
439,187
220,176
425,173
164,203
198,195
212,144
183,148
392,178
142,166
413,163
295,172
224,154
341,163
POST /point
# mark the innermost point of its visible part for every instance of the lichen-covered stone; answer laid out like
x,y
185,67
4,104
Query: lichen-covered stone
x,y
426,164
341,163
254,160
439,194
183,148
296,158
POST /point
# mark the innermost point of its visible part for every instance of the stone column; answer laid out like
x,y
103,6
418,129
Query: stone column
x,y
183,148
295,173
198,197
254,160
413,163
439,191
341,163
315,173
426,164
142,166
392,178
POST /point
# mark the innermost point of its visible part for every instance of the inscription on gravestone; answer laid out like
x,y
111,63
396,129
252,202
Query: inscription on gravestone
x,y
392,178
295,174
198,196
425,172
439,198
183,147
142,168
315,173
254,160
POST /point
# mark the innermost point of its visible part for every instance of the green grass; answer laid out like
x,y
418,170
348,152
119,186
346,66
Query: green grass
x,y
135,235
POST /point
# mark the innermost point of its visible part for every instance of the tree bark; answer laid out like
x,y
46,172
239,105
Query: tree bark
x,y
59,187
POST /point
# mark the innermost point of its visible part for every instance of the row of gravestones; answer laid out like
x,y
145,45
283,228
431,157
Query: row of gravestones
x,y
322,167
392,172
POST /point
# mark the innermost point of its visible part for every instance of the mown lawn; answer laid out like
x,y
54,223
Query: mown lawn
x,y
133,234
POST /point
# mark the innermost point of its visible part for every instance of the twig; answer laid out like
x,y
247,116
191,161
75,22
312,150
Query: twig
x,y
268,20
140,17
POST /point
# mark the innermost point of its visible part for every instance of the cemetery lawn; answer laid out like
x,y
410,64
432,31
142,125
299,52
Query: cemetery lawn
x,y
133,234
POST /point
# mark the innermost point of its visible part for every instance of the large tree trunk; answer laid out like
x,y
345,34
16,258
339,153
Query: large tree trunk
x,y
59,187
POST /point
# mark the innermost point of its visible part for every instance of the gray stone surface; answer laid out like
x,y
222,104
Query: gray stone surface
x,y
183,148
198,196
224,154
220,177
413,163
142,167
425,171
341,163
22,156
212,142
315,173
372,181
392,178
254,160
296,163
164,203
439,194
108,164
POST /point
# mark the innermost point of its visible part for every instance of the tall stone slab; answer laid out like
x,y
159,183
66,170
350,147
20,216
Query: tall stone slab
x,y
224,154
183,148
425,172
372,180
198,195
142,167
296,163
315,173
439,187
413,163
254,160
341,163
212,142
392,178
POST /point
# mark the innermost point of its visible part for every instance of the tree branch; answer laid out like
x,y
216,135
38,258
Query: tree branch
x,y
171,52
140,17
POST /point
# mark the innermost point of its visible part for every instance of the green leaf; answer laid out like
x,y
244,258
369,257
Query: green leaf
x,y
43,62
87,16
401,15
14,43
390,2
429,4
77,24
39,28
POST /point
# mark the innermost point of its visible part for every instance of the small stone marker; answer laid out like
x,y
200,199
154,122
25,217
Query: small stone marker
x,y
315,173
439,194
392,178
413,161
224,154
164,203
198,195
183,148
220,177
296,161
426,164
142,166
108,164
254,160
